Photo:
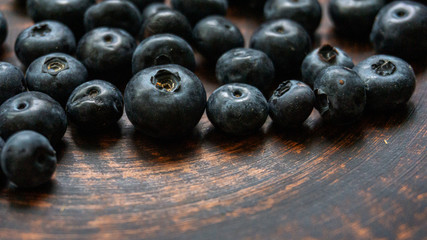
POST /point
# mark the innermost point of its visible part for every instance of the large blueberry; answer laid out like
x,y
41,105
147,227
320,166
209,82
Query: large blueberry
x,y
11,81
165,101
142,4
215,35
196,10
340,95
285,42
28,159
166,21
43,38
107,54
321,58
153,9
3,28
115,14
354,17
33,111
237,109
95,104
56,74
245,65
400,29
389,80
291,103
69,12
308,13
163,49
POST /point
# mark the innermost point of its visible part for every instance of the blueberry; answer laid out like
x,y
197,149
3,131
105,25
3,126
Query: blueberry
x,y
354,17
3,28
215,35
400,29
107,54
237,109
2,176
114,14
340,95
389,80
196,10
142,4
291,103
153,9
321,58
308,13
165,101
43,38
285,42
69,12
163,49
244,65
33,111
56,74
11,81
95,104
28,159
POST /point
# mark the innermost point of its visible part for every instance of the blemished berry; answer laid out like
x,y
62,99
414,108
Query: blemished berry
x,y
390,81
353,17
12,81
400,29
56,74
237,109
308,13
163,49
285,42
321,58
245,65
114,14
28,159
107,54
3,28
291,103
68,12
33,111
340,95
43,38
165,101
215,35
196,10
95,104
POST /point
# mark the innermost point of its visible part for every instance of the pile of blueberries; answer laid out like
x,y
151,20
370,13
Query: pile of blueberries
x,y
74,41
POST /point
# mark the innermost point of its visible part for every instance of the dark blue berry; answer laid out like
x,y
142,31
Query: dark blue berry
x,y
56,74
308,13
114,14
107,54
340,95
142,4
321,58
69,12
196,10
237,109
28,159
389,80
43,38
33,111
291,103
2,176
400,29
163,49
285,42
165,101
354,17
3,28
215,35
166,21
245,65
11,81
95,104
153,9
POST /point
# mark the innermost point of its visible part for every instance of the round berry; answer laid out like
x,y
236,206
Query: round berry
x,y
12,81
196,10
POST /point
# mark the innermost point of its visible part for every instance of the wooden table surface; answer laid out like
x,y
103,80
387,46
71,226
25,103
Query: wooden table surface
x,y
365,181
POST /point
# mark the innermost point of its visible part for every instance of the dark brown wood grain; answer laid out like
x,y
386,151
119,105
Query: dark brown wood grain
x,y
365,181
